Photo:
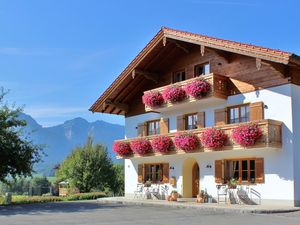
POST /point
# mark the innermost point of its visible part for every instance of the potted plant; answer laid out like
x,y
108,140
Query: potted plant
x,y
197,88
141,146
161,144
213,138
232,183
202,197
246,135
186,141
153,99
122,148
174,94
173,196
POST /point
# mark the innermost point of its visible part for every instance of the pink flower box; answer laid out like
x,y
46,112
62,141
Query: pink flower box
x,y
213,138
174,94
246,135
161,144
122,148
197,88
186,141
141,146
153,99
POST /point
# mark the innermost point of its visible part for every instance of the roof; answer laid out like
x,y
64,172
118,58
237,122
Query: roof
x,y
268,54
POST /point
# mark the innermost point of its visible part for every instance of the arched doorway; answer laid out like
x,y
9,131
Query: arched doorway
x,y
190,178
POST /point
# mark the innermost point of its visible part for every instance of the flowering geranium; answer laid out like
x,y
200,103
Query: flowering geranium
x,y
186,141
161,144
122,148
246,135
213,138
153,99
197,88
174,94
140,146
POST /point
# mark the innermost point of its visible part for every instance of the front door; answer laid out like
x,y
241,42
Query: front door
x,y
195,180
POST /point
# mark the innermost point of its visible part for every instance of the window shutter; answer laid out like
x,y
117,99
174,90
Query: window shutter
x,y
220,117
201,119
259,170
180,123
219,171
164,125
256,111
142,129
166,173
140,173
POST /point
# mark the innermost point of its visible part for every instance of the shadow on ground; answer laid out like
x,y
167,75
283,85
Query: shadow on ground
x,y
55,207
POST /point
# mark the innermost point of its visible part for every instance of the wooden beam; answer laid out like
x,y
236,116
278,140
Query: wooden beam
x,y
202,50
148,75
122,106
179,45
164,41
281,68
258,63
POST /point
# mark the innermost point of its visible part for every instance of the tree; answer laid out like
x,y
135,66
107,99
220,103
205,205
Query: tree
x,y
17,153
118,184
88,168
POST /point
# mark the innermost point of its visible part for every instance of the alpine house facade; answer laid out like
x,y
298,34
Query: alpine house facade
x,y
202,111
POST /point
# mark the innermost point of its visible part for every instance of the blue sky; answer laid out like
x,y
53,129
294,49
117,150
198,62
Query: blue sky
x,y
57,57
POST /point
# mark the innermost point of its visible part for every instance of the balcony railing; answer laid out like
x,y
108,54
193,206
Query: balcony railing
x,y
271,139
219,90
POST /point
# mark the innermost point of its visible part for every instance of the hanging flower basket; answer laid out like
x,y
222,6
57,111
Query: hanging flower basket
x,y
246,135
140,146
161,144
213,138
186,141
197,88
153,99
174,94
122,148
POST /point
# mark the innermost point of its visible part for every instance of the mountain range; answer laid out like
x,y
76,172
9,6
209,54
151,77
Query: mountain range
x,y
58,141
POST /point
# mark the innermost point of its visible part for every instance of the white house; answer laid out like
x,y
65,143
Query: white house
x,y
247,85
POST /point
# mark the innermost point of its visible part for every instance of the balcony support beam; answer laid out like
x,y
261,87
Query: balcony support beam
x,y
122,106
148,75
179,45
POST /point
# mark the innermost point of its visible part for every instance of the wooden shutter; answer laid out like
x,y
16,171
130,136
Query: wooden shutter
x,y
201,119
164,125
259,170
140,173
256,111
142,129
180,122
166,173
219,171
220,117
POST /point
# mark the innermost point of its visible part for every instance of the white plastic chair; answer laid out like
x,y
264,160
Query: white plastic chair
x,y
138,193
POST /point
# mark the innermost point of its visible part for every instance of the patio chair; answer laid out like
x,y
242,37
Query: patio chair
x,y
138,193
164,191
222,192
155,191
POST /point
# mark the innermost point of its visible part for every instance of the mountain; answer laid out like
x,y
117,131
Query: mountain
x,y
58,141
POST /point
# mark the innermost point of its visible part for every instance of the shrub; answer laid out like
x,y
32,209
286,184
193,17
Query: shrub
x,y
174,94
85,196
18,199
153,99
122,148
140,146
186,141
246,135
213,138
161,144
197,88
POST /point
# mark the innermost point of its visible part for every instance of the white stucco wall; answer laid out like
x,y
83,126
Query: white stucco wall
x,y
279,164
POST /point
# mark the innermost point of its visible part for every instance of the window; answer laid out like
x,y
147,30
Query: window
x,y
153,127
178,76
242,170
153,173
238,114
191,121
201,69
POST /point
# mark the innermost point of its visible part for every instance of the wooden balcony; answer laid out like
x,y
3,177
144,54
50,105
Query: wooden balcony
x,y
219,90
271,139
